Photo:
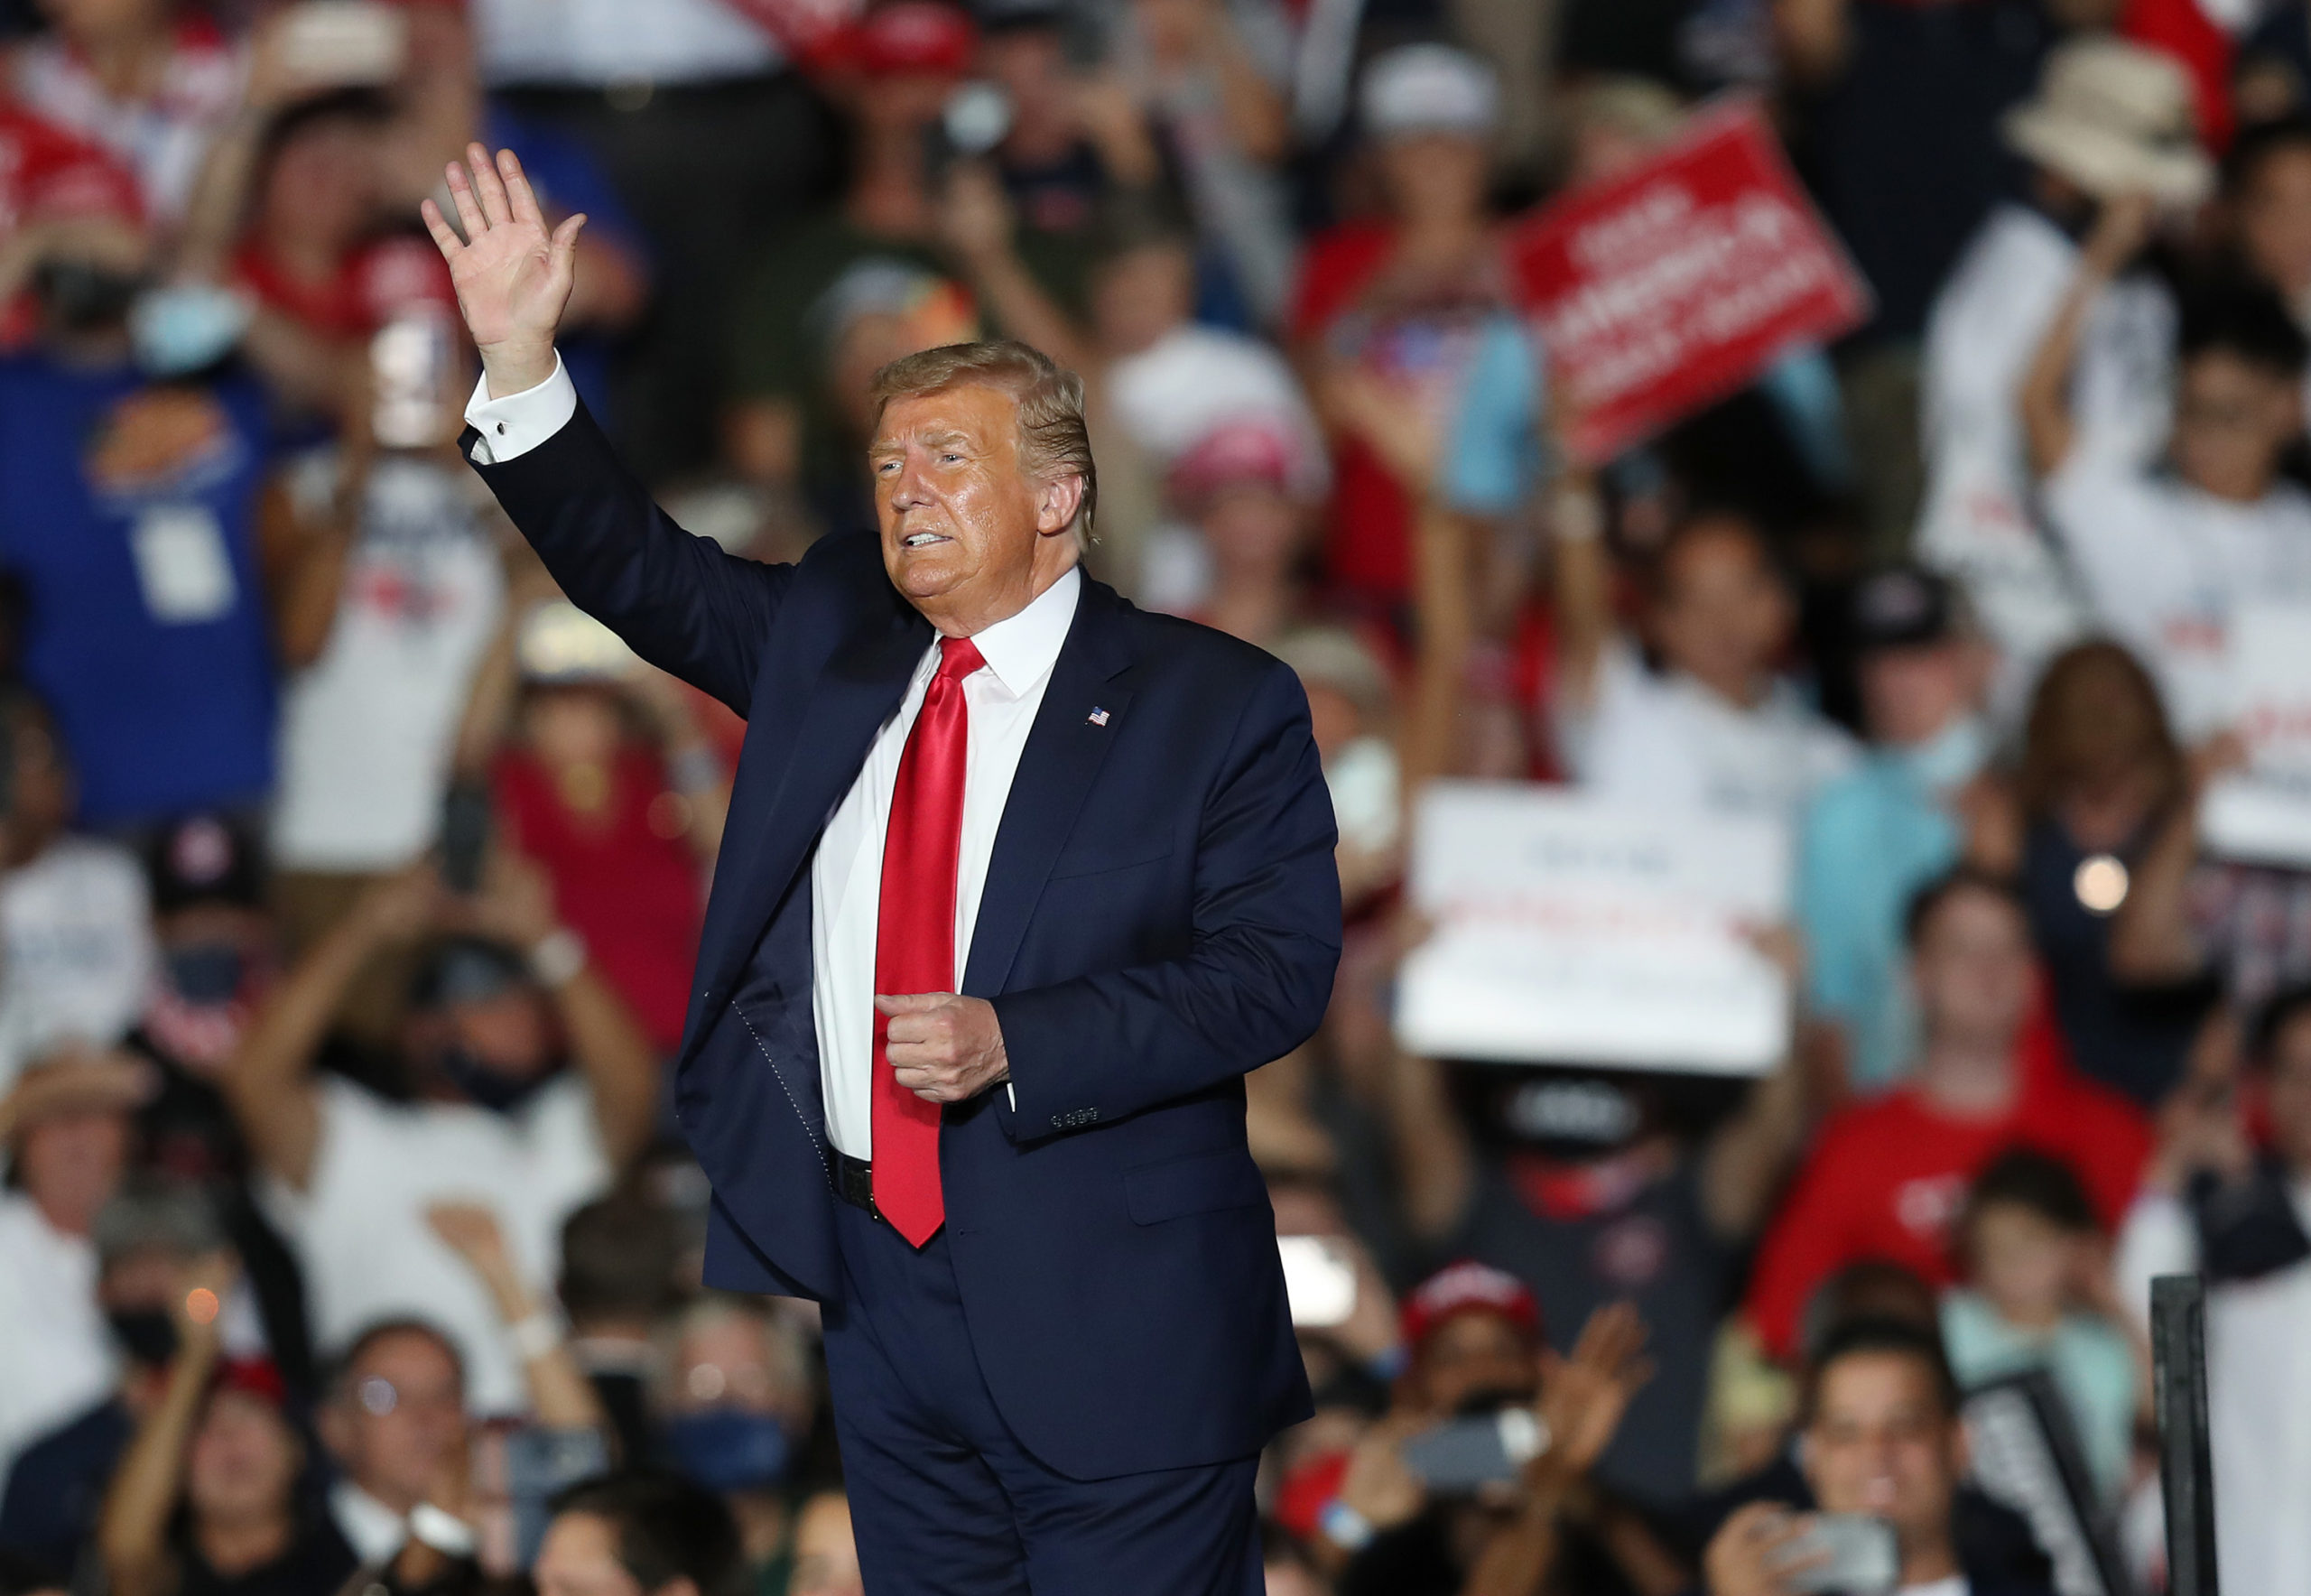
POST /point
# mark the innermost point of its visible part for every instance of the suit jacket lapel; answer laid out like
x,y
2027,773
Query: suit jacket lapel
x,y
860,689
1065,751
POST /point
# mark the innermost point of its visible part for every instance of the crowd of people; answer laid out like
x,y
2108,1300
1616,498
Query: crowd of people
x,y
350,876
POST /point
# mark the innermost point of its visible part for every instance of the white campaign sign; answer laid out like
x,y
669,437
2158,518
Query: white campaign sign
x,y
1572,931
2263,815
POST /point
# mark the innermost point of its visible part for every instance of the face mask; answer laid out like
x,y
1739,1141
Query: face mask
x,y
206,974
1953,757
82,297
148,1335
186,327
490,1087
727,1448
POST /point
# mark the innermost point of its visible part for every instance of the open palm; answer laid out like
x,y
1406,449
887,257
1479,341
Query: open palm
x,y
512,276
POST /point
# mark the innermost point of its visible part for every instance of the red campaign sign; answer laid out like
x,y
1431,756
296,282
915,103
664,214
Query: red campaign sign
x,y
1659,290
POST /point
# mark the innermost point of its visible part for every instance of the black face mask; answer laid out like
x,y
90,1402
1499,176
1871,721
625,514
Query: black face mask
x,y
490,1087
148,1335
207,974
84,297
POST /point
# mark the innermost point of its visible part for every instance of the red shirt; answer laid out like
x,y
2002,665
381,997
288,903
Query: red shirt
x,y
1887,1178
1368,542
624,878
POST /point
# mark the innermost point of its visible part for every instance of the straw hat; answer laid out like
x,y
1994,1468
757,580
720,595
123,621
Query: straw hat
x,y
2115,118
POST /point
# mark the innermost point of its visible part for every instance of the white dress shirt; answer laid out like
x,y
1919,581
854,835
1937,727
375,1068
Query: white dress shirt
x,y
846,872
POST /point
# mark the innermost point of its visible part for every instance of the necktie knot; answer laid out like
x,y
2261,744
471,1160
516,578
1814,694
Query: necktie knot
x,y
958,658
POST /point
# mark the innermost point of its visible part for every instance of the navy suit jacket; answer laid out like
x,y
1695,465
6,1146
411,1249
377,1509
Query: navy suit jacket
x,y
1161,915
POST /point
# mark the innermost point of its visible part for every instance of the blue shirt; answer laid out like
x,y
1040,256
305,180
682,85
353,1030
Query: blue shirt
x,y
1871,839
145,629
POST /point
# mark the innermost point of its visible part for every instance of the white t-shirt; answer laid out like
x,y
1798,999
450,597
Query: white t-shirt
x,y
360,1226
2165,566
56,1358
1977,521
1668,741
1954,1585
367,729
77,957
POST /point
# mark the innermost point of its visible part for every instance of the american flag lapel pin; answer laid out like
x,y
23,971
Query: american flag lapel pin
x,y
1098,717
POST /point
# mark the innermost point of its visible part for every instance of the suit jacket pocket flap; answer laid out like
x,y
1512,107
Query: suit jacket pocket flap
x,y
1197,1184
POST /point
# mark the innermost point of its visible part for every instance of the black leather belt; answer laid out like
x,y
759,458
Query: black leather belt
x,y
854,1181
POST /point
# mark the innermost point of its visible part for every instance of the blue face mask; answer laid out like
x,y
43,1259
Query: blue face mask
x,y
727,1448
206,974
1953,757
186,327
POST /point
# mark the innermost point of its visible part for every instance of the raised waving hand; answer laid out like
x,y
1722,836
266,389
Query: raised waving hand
x,y
512,276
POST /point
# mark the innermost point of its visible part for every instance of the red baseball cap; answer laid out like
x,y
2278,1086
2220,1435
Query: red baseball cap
x,y
911,36
254,1376
1468,1287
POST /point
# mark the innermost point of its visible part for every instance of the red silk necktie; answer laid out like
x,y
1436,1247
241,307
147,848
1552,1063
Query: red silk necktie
x,y
915,934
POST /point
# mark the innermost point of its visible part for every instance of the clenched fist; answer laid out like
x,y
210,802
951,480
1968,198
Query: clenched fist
x,y
942,1047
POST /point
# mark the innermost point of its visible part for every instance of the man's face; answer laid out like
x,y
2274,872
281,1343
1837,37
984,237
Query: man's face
x,y
2231,421
401,1420
1723,616
242,1463
2274,220
322,188
1911,695
2287,1094
70,1162
1881,1443
1972,968
969,536
45,794
1141,294
1435,174
1475,1354
578,1557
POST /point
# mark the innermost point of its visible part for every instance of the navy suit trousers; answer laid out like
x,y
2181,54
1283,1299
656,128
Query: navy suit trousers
x,y
944,1499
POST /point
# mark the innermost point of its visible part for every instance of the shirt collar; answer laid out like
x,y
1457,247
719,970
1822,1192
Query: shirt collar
x,y
1021,649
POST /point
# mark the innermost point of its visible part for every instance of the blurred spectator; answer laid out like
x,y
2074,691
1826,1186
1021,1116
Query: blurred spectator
x,y
1213,74
2219,1204
1594,1198
1474,1339
911,258
2166,556
149,1242
151,81
130,513
68,1128
76,958
1247,492
1917,801
2036,1286
1717,728
620,1255
494,1114
1170,381
826,1555
712,143
2101,775
626,826
2267,188
1389,315
1351,709
1076,140
652,1534
2109,135
207,1498
1883,1437
1886,1178
735,1408
396,602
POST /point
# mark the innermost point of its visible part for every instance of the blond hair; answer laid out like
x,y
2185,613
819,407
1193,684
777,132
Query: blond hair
x,y
1054,439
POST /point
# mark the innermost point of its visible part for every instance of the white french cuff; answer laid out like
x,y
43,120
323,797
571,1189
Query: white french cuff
x,y
514,425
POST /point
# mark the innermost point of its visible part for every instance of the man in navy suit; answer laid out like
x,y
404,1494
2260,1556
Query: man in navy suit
x,y
1018,883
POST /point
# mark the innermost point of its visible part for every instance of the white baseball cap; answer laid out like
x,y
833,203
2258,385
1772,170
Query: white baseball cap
x,y
1429,89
